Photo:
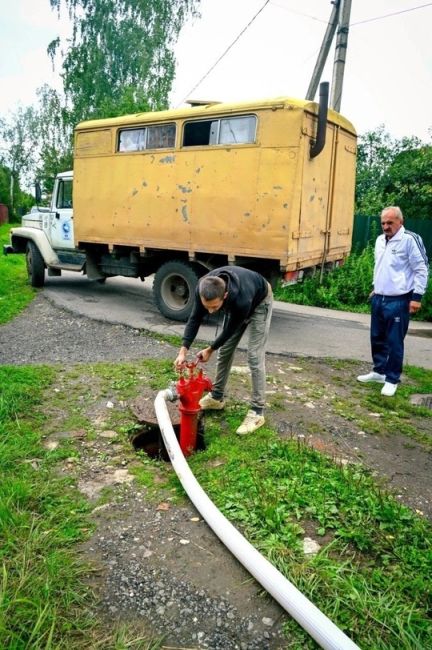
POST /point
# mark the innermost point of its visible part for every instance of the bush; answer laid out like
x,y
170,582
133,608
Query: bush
x,y
346,288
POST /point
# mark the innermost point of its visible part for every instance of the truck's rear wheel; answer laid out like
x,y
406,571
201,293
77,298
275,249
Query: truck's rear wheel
x,y
35,265
174,288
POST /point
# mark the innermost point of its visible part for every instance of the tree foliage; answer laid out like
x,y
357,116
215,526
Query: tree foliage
x,y
55,131
18,158
408,182
120,58
393,172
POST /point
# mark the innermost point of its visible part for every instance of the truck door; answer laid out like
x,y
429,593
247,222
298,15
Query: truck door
x,y
60,221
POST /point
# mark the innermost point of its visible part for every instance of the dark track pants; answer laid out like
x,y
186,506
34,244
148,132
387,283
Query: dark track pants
x,y
389,325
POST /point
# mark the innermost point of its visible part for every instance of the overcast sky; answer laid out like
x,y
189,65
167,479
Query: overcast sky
x,y
388,75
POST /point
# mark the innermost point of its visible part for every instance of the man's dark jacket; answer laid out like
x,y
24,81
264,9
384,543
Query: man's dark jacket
x,y
246,290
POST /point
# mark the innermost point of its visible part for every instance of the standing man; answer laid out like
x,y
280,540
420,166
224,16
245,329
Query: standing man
x,y
246,299
400,280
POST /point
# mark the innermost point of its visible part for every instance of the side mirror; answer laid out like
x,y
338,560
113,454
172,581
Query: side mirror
x,y
38,193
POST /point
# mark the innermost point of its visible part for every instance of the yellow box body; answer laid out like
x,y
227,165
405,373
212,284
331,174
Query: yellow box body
x,y
267,200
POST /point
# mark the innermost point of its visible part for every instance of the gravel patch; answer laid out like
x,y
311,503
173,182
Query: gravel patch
x,y
44,333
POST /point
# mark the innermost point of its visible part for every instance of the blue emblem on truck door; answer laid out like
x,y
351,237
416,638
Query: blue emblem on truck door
x,y
66,228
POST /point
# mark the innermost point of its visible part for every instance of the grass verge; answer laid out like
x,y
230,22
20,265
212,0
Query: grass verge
x,y
371,575
41,518
15,291
45,603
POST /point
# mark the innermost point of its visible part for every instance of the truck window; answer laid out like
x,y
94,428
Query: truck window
x,y
232,130
64,194
161,136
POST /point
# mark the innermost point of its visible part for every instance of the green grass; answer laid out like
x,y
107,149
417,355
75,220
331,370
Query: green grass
x,y
397,413
41,519
15,291
346,288
45,603
372,575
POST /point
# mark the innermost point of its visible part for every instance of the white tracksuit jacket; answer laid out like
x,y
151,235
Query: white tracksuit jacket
x,y
401,265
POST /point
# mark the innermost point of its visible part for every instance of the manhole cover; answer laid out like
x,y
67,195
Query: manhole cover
x,y
422,400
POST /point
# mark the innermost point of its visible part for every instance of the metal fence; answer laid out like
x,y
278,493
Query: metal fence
x,y
367,228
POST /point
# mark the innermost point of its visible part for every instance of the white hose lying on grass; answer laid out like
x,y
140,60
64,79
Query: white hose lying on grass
x,y
320,628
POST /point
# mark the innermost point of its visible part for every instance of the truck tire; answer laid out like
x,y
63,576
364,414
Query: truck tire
x,y
35,265
174,288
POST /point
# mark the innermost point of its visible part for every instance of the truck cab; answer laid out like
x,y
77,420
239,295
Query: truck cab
x,y
46,235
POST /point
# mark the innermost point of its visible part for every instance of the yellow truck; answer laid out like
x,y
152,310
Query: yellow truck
x,y
267,184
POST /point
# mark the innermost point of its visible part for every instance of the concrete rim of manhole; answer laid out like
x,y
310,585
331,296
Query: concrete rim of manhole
x,y
422,400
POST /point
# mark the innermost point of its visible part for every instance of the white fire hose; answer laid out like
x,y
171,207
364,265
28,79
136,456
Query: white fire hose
x,y
320,628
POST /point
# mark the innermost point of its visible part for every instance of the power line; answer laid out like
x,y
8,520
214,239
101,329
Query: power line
x,y
224,53
395,13
298,13
360,22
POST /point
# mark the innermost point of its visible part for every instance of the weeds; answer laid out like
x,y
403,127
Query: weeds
x,y
346,288
15,292
41,519
371,576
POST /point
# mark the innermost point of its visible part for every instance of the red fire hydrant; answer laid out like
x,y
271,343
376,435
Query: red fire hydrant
x,y
190,389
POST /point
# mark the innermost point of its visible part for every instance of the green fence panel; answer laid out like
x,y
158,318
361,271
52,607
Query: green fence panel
x,y
366,228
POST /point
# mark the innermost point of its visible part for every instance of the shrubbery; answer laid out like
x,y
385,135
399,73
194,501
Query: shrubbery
x,y
346,288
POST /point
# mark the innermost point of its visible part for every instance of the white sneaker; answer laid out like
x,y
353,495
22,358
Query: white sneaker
x,y
251,423
372,376
389,389
208,403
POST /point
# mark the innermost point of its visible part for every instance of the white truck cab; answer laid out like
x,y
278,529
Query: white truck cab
x,y
46,235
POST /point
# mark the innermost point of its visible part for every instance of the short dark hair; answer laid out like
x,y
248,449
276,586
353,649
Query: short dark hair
x,y
211,287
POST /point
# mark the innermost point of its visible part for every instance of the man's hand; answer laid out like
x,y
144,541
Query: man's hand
x,y
414,306
181,358
205,354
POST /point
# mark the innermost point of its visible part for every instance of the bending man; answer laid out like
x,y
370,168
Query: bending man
x,y
246,299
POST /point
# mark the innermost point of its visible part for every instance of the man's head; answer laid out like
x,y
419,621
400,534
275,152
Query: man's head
x,y
212,291
391,220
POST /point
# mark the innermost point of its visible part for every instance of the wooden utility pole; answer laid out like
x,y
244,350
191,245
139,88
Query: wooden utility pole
x,y
340,54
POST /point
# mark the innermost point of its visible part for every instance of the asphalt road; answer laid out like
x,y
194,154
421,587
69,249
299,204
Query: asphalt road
x,y
297,330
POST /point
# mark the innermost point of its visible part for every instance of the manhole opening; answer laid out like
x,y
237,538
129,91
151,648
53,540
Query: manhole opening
x,y
422,400
149,439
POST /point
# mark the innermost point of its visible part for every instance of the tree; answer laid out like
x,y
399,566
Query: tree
x,y
120,58
39,141
54,129
20,152
408,182
20,202
377,151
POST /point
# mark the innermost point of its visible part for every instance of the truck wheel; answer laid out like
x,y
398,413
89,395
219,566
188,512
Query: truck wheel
x,y
35,265
174,288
